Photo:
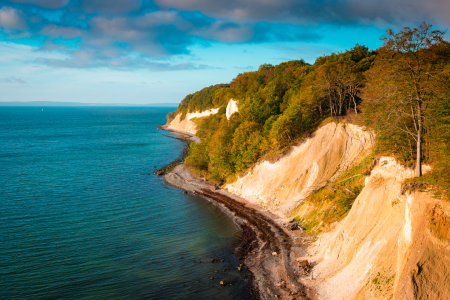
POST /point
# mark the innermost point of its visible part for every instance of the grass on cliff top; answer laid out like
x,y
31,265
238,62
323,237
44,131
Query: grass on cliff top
x,y
436,182
332,203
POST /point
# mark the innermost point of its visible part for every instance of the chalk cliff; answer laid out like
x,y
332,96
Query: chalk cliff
x,y
187,125
282,185
232,108
378,249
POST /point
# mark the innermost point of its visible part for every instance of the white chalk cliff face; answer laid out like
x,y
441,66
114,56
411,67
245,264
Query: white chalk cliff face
x,y
374,253
283,185
187,125
231,108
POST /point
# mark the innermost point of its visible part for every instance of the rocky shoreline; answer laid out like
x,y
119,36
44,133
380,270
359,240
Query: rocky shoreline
x,y
271,251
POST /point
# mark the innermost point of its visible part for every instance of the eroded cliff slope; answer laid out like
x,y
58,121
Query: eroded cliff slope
x,y
393,244
282,185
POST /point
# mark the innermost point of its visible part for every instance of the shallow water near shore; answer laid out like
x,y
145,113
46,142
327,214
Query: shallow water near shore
x,y
83,217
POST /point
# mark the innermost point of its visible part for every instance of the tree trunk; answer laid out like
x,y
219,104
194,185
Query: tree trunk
x,y
419,141
354,101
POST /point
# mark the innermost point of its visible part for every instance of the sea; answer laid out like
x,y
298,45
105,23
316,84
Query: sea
x,y
82,216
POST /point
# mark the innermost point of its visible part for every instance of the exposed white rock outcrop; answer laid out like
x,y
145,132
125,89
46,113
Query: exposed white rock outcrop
x,y
186,124
232,107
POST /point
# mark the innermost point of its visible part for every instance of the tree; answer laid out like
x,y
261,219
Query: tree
x,y
410,61
246,140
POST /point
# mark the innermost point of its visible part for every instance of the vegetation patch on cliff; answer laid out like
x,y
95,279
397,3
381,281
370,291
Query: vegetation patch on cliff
x,y
331,203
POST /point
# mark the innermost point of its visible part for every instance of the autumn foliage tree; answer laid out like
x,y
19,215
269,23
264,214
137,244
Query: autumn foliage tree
x,y
403,83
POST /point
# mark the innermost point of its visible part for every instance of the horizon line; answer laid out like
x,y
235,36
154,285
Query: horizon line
x,y
59,103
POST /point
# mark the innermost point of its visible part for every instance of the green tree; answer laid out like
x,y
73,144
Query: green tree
x,y
246,145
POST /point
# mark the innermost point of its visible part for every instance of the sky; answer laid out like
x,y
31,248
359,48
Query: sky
x,y
144,51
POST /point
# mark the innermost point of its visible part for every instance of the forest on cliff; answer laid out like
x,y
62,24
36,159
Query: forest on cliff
x,y
401,91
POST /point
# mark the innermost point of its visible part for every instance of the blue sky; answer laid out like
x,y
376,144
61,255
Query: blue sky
x,y
142,51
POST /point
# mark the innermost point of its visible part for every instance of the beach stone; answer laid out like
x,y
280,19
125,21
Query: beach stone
x,y
213,260
274,253
223,282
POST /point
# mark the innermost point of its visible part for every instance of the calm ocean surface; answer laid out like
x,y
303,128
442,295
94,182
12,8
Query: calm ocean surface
x,y
83,217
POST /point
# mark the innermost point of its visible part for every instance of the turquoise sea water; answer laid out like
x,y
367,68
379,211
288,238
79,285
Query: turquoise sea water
x,y
83,217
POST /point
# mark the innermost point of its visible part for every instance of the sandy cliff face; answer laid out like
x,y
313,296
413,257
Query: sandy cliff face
x,y
423,267
187,125
390,245
282,185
